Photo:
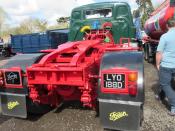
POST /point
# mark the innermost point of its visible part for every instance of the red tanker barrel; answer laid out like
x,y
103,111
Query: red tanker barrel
x,y
155,26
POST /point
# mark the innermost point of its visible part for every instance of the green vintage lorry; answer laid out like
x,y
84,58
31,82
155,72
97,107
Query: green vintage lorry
x,y
94,15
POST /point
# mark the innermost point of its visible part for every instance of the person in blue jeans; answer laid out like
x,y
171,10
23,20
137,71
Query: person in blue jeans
x,y
165,62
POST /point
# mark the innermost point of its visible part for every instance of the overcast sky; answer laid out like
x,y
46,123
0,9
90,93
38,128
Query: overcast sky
x,y
19,10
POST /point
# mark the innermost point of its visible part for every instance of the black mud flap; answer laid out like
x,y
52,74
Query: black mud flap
x,y
120,115
13,100
121,111
14,105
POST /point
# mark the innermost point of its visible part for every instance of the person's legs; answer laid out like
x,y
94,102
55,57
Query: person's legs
x,y
165,76
159,93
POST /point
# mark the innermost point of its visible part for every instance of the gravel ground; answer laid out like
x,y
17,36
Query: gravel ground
x,y
72,117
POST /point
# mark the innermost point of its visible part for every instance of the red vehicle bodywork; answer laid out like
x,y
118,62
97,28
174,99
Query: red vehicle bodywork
x,y
71,72
155,26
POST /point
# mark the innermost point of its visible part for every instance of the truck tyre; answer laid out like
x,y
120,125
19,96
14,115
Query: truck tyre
x,y
150,56
37,108
145,51
5,53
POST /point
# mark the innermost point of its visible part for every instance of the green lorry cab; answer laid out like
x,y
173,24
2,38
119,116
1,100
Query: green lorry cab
x,y
94,15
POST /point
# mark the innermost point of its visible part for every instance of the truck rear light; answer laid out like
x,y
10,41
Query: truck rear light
x,y
132,85
133,76
132,89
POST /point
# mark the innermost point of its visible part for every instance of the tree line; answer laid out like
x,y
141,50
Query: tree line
x,y
145,8
30,25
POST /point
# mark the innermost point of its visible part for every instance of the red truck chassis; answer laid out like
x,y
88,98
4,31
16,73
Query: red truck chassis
x,y
71,72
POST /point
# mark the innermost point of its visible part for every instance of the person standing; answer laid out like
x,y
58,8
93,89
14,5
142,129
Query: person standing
x,y
165,62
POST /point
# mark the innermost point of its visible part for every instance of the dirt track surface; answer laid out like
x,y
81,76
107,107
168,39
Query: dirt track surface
x,y
72,117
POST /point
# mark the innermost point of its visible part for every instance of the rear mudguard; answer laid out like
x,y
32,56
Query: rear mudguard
x,y
13,100
122,111
22,61
130,60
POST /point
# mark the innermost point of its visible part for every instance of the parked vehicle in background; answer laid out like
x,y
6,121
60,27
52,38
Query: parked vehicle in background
x,y
33,43
6,51
155,26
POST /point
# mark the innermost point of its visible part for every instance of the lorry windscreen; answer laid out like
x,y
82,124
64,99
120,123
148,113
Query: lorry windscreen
x,y
98,13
